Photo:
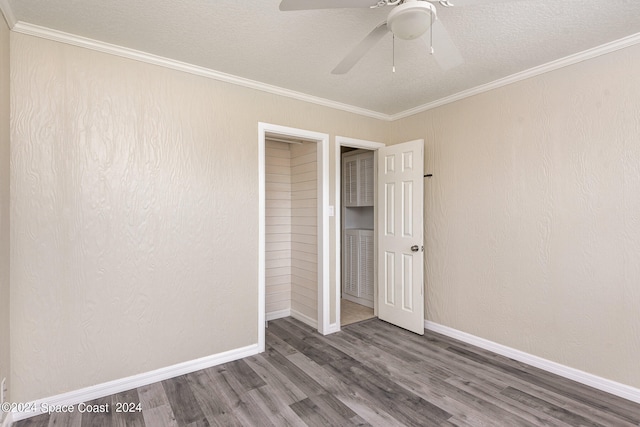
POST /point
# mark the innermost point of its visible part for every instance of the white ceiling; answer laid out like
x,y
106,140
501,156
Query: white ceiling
x,y
298,50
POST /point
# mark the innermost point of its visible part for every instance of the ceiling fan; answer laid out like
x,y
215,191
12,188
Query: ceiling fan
x,y
408,20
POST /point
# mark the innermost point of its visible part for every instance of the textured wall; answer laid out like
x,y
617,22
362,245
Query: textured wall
x,y
4,199
134,199
304,229
533,215
277,226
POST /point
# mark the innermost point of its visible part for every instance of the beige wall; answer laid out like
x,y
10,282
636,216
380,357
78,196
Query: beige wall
x,y
304,230
4,200
533,215
134,240
277,227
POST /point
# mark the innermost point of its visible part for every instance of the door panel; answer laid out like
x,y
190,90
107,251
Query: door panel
x,y
389,197
400,218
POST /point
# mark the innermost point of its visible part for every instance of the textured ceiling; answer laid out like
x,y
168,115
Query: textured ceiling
x,y
298,50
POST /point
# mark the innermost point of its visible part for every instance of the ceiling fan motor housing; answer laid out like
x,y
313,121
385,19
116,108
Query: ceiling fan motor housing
x,y
411,19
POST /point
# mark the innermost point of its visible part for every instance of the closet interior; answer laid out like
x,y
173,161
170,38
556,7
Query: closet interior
x,y
358,249
291,230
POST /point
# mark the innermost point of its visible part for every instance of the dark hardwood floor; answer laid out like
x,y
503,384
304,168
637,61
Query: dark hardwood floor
x,y
371,373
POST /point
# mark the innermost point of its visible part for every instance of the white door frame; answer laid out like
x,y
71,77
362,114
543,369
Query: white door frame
x,y
343,141
322,140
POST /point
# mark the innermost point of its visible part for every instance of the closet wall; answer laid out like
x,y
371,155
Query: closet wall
x,y
291,245
277,228
304,230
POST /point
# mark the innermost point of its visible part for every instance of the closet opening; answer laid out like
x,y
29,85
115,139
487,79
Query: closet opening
x,y
357,225
356,167
293,229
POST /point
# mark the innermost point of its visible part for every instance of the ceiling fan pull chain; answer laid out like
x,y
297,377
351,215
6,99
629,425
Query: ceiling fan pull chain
x,y
393,54
431,33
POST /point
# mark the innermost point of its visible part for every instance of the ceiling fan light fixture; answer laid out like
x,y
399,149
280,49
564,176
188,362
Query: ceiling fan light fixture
x,y
412,19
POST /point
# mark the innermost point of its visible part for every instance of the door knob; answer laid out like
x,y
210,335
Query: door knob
x,y
415,248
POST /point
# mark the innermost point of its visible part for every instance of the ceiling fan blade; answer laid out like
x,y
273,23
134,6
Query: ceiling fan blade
x,y
445,51
286,5
462,3
361,49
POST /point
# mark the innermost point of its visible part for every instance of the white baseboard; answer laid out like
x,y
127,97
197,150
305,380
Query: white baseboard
x,y
278,314
304,319
135,381
609,386
333,328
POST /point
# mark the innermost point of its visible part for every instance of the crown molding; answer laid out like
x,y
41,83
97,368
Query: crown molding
x,y
71,39
5,8
523,75
59,36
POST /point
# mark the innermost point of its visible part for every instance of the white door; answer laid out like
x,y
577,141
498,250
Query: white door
x,y
400,245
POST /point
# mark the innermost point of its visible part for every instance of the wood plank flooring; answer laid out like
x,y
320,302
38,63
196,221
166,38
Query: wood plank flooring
x,y
371,373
